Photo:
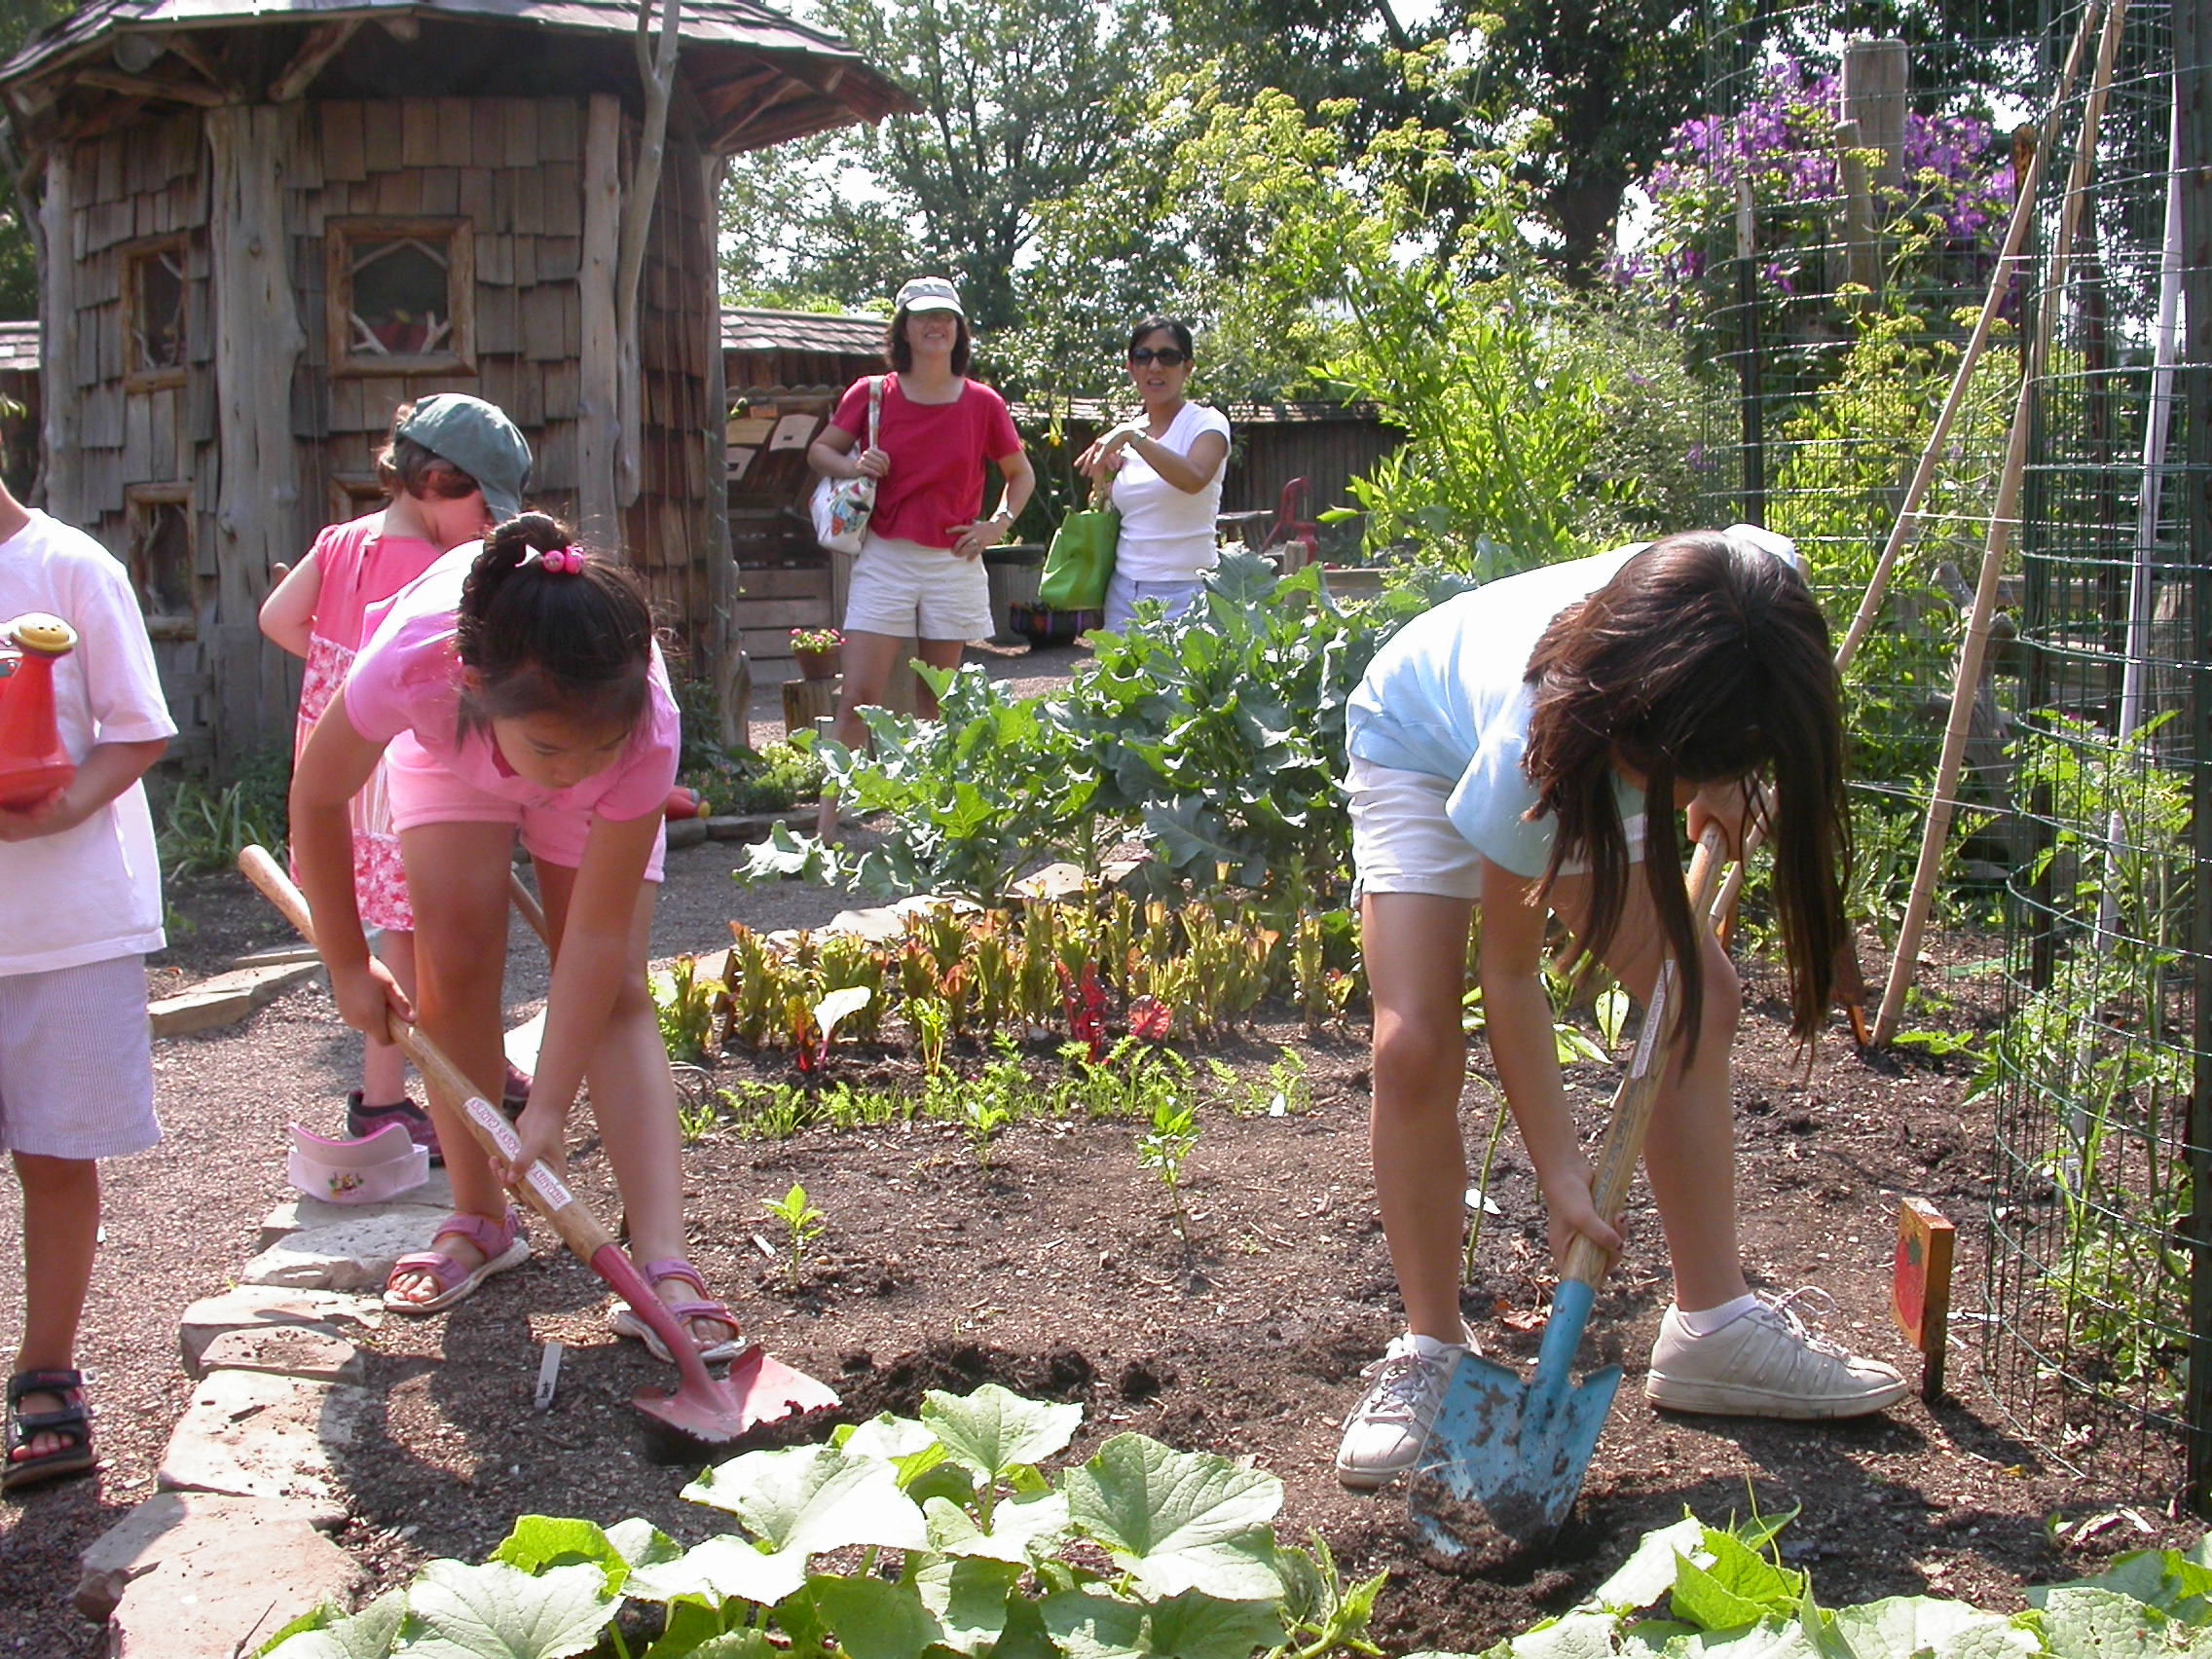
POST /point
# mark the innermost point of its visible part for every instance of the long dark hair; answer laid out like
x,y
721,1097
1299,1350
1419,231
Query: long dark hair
x,y
537,640
1704,660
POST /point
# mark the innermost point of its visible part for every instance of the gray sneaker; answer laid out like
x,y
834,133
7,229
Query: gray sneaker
x,y
1765,1364
1386,1431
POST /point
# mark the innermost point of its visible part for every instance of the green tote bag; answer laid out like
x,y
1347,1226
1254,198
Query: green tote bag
x,y
1080,562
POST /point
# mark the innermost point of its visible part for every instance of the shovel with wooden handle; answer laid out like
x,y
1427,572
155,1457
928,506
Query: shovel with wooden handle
x,y
703,1411
1505,1458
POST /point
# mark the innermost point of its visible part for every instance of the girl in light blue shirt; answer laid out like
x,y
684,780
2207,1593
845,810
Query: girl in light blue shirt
x,y
1503,749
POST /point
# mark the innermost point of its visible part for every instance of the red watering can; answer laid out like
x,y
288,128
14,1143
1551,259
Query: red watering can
x,y
32,761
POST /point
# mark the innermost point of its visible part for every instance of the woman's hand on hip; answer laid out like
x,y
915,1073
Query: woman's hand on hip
x,y
972,538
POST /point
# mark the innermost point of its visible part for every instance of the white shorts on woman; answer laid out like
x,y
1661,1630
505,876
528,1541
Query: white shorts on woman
x,y
906,590
1403,839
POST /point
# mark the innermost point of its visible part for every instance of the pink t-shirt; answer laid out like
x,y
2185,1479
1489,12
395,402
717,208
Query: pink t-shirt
x,y
360,566
404,690
937,452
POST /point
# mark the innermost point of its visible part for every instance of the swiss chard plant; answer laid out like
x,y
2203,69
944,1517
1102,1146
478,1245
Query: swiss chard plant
x,y
965,1544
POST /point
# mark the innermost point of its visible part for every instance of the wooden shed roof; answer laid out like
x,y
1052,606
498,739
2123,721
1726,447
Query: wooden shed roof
x,y
750,330
19,347
756,77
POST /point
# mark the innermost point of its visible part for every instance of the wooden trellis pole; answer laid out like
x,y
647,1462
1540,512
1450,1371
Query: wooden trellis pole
x,y
1974,646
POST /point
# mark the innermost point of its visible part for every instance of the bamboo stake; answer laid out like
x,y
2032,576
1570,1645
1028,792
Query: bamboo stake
x,y
1908,525
1974,646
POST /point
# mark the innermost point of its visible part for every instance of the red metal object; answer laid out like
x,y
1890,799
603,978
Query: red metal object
x,y
32,761
682,802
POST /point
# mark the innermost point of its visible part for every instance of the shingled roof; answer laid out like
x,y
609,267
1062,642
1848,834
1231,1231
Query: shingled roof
x,y
756,77
747,330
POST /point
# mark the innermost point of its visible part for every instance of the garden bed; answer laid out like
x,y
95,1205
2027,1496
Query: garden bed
x,y
1059,1270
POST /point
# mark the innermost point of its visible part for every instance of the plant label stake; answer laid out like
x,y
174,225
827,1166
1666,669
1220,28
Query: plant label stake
x,y
703,1411
33,764
1920,1287
1505,1458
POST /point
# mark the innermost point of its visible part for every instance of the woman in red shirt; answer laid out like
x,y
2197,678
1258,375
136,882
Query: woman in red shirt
x,y
920,574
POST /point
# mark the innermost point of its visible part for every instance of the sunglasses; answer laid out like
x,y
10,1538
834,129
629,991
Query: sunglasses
x,y
1166,356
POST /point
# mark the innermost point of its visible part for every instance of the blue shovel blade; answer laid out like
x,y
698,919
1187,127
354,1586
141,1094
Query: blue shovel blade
x,y
1506,1458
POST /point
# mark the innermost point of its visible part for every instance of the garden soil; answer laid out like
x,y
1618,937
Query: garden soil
x,y
1059,1270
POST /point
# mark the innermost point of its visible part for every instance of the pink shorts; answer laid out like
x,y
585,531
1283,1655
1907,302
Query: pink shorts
x,y
423,792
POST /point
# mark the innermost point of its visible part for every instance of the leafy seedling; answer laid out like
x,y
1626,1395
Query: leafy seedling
x,y
1173,1137
802,1225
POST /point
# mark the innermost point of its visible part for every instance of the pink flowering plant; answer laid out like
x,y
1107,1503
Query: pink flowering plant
x,y
816,638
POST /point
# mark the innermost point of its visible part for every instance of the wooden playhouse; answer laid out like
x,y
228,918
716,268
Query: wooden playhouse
x,y
264,225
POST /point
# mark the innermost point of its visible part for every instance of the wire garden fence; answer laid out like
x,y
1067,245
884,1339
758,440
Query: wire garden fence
x,y
2015,455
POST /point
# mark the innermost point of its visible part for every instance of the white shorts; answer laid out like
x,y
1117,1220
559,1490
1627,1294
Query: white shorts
x,y
76,1061
1404,841
909,591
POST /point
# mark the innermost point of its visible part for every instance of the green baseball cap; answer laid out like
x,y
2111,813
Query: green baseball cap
x,y
477,437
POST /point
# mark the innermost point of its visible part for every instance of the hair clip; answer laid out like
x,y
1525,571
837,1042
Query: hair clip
x,y
558,561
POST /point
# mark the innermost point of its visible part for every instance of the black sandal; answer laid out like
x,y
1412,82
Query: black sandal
x,y
73,1422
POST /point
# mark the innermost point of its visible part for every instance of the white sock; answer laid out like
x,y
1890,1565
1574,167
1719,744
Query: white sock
x,y
1428,1347
1708,1320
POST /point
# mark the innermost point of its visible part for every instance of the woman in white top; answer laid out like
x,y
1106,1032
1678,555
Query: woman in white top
x,y
1164,473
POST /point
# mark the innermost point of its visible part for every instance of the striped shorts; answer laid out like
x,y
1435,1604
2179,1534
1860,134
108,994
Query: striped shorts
x,y
76,1061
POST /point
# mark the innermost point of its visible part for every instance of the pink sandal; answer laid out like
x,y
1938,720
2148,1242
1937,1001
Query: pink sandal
x,y
624,1321
503,1247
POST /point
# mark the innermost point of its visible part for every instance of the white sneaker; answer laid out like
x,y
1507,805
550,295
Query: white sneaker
x,y
1386,1431
1765,1363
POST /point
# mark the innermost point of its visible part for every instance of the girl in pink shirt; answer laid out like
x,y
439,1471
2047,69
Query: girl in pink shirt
x,y
516,688
319,610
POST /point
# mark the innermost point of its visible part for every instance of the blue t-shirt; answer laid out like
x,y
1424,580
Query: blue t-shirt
x,y
1449,697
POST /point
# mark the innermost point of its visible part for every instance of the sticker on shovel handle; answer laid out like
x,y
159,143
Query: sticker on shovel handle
x,y
538,1177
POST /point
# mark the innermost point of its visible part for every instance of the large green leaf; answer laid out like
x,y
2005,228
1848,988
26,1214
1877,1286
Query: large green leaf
x,y
1925,1625
2105,1624
497,1611
813,1497
693,1629
874,1618
366,1635
883,1435
2164,1579
994,1430
1576,1636
1180,1521
970,1600
1738,1586
1022,1529
537,1542
1099,1626
722,1569
1196,1626
1648,1573
1770,1638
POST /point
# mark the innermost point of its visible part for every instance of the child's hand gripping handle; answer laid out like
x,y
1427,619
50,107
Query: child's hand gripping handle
x,y
1623,1146
543,1190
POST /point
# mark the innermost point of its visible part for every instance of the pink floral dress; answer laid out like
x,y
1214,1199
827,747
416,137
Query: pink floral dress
x,y
361,567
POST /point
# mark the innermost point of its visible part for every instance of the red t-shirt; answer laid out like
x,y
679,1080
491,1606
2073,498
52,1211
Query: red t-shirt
x,y
937,452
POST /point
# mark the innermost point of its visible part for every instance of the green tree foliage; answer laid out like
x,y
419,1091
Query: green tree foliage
x,y
19,19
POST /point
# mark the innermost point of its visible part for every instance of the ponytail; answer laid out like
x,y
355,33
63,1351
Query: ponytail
x,y
548,626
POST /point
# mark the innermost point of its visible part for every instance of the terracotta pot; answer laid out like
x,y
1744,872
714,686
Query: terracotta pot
x,y
816,665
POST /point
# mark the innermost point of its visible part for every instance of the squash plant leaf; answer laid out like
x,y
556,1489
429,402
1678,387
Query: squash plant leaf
x,y
1648,1573
1769,1638
322,1634
2164,1579
1022,1530
1926,1624
1573,1636
970,1600
1737,1587
694,1631
809,1498
884,1435
2080,1623
1180,1521
497,1611
720,1569
731,1645
875,1619
640,1543
540,1542
1196,1626
1096,1627
994,1429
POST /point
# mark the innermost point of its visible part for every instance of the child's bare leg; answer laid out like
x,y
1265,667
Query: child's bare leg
x,y
1689,1150
384,1068
61,1225
456,875
633,1100
1415,949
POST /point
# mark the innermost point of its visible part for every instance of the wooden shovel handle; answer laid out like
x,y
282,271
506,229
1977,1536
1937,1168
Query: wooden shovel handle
x,y
541,1187
1623,1146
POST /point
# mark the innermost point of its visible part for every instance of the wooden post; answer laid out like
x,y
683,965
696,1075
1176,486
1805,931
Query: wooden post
x,y
717,638
656,70
58,328
1874,91
258,342
599,420
2001,518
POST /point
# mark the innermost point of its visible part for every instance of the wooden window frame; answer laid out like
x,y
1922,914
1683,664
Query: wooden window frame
x,y
161,625
134,253
355,495
346,357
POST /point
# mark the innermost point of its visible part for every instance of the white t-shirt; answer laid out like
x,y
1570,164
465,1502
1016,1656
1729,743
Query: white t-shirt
x,y
1167,534
93,893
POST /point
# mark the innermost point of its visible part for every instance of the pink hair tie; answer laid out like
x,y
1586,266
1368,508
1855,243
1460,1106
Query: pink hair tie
x,y
558,561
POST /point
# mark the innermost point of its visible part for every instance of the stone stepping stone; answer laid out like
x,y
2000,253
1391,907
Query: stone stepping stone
x,y
250,1436
257,1307
216,1584
353,1254
227,998
314,1355
298,1213
171,1525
